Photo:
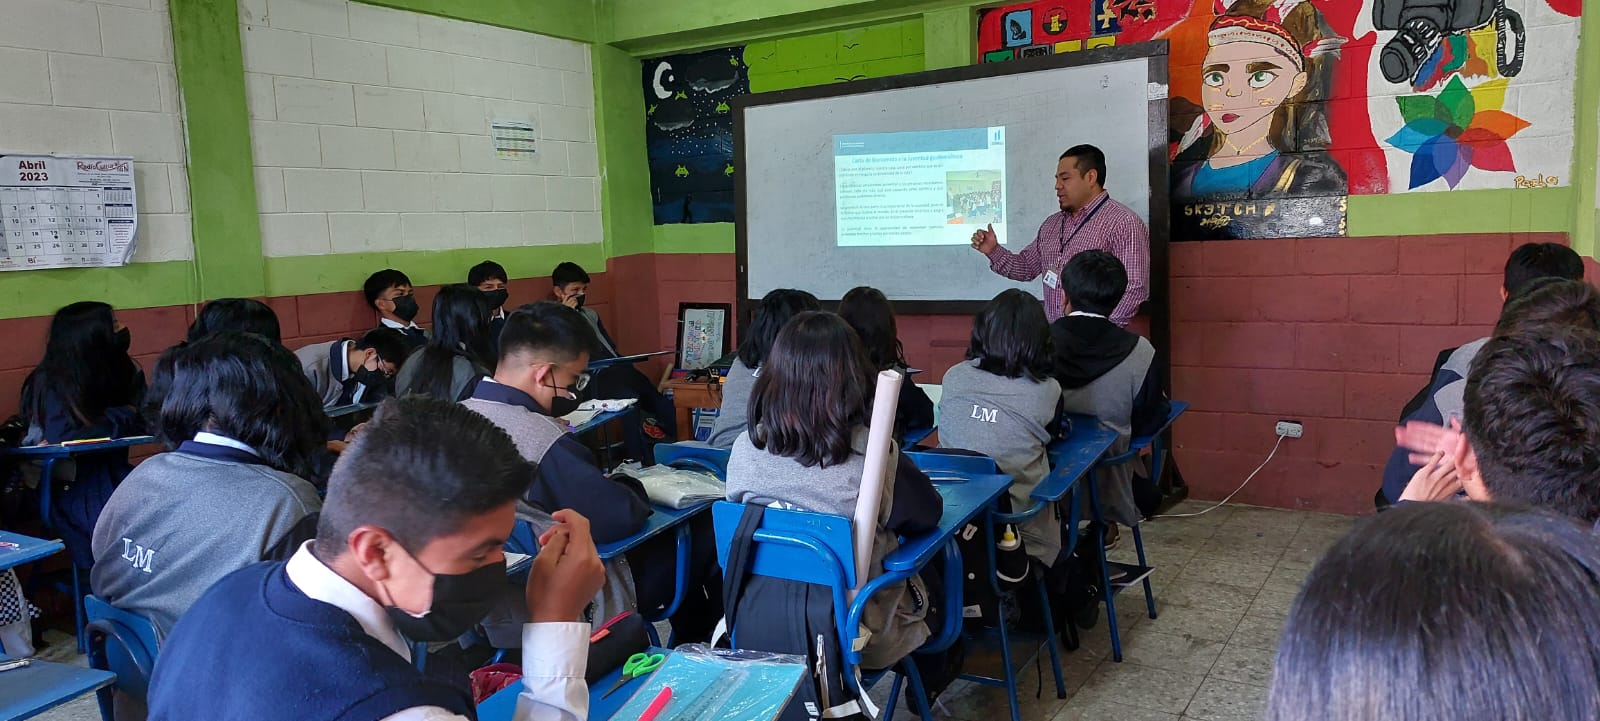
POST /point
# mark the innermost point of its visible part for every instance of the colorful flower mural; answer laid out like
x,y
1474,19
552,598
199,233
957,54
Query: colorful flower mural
x,y
1456,130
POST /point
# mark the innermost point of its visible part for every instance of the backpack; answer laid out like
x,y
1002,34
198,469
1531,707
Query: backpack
x,y
796,618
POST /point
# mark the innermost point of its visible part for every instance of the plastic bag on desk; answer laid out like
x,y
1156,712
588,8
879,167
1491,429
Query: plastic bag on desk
x,y
713,683
675,487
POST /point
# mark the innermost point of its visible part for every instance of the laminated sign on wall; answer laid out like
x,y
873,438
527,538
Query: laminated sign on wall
x,y
66,211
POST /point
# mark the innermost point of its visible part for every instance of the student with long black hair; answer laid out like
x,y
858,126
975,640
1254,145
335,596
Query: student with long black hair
x,y
775,310
872,317
1446,612
86,386
1002,402
244,425
458,352
241,314
806,449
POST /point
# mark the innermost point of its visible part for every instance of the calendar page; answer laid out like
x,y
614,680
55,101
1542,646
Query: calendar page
x,y
66,211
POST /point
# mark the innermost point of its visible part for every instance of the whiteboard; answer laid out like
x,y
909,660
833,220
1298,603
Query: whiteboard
x,y
789,155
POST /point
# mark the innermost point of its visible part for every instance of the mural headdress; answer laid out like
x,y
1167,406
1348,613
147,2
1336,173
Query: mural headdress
x,y
1268,30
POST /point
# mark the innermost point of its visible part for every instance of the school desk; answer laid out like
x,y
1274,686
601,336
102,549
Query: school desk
x,y
17,549
632,435
688,396
502,705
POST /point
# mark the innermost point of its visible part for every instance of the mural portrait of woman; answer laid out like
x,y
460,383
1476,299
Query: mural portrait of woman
x,y
1261,131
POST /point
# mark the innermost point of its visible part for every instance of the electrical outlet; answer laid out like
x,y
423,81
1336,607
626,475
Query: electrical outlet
x,y
1291,429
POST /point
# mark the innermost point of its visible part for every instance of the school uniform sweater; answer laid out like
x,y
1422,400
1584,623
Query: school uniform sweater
x,y
1009,420
416,336
464,374
182,520
735,412
894,616
1444,399
326,365
1108,373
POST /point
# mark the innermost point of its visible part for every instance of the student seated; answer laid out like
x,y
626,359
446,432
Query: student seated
x,y
543,354
247,315
389,293
1440,400
86,386
491,280
658,417
1532,428
244,424
1446,612
771,315
1002,402
805,450
872,318
408,549
457,353
1105,371
348,371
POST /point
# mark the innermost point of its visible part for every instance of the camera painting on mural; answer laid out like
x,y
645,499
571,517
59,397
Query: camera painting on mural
x,y
1280,110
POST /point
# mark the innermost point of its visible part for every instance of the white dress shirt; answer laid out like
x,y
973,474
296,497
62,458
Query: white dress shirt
x,y
397,325
555,656
224,441
1086,314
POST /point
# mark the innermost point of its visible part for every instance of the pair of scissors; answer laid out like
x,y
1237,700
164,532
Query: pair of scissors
x,y
638,665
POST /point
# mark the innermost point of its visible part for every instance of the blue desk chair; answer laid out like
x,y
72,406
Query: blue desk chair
x,y
48,457
817,548
1141,572
694,457
123,643
953,467
918,435
42,685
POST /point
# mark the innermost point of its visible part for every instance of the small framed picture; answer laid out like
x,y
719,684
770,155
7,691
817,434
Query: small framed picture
x,y
703,334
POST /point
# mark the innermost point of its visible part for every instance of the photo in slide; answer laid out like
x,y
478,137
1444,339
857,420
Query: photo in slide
x,y
918,187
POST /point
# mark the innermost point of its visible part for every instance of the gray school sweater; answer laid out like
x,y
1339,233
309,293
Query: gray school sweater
x,y
316,360
180,522
756,476
1006,419
463,374
735,412
1110,398
534,434
1451,398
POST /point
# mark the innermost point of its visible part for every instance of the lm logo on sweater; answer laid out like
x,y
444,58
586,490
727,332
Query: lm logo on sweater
x,y
138,555
987,415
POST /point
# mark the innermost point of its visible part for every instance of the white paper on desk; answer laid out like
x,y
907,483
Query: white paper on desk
x,y
580,416
607,405
675,487
513,558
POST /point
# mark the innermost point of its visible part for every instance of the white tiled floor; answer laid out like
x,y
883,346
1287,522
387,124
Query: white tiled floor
x,y
1223,583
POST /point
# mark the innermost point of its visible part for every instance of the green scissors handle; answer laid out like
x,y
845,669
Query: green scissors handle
x,y
638,665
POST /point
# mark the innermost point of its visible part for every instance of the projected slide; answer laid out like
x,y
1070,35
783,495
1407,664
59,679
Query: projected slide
x,y
919,188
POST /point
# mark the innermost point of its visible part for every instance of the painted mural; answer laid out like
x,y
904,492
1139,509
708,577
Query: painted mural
x,y
689,133
1280,109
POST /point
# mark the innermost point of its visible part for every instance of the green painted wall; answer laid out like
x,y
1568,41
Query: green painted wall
x,y
624,176
1586,144
308,274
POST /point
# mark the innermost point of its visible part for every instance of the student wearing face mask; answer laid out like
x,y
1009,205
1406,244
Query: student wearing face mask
x,y
85,386
491,280
658,418
408,549
544,351
349,371
390,295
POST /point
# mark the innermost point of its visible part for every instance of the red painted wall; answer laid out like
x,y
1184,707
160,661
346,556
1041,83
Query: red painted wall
x,y
304,320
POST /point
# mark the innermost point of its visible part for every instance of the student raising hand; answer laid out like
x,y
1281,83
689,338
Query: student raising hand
x,y
1437,480
567,573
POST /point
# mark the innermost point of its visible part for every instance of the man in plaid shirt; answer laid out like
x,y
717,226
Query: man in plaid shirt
x,y
1089,220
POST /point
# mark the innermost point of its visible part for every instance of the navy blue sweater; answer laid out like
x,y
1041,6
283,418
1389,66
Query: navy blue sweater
x,y
255,648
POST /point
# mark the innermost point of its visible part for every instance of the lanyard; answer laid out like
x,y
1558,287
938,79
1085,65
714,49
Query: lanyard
x,y
1086,219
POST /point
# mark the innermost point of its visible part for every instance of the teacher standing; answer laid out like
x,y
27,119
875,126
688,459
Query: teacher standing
x,y
1089,220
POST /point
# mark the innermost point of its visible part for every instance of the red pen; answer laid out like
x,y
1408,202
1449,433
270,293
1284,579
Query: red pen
x,y
655,707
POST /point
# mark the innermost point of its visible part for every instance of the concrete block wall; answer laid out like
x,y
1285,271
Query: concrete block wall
x,y
370,131
96,77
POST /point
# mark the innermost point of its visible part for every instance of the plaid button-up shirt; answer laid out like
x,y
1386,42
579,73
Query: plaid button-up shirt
x,y
1102,224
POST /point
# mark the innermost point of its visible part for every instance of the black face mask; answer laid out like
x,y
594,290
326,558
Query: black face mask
x,y
580,300
459,603
561,405
496,298
405,308
124,340
371,378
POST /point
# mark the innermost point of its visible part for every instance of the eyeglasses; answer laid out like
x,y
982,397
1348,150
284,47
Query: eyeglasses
x,y
582,381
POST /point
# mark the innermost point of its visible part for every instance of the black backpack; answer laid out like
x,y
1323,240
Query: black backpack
x,y
795,618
